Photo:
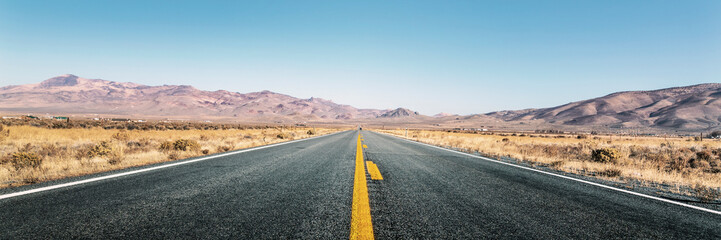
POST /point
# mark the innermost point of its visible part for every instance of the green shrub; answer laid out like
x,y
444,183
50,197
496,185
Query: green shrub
x,y
605,155
22,160
180,145
100,150
186,145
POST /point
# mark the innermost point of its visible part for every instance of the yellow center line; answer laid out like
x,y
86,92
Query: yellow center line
x,y
361,226
373,171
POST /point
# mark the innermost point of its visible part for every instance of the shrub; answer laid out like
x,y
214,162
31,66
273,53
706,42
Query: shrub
x,y
610,172
180,144
704,155
115,159
224,148
504,140
581,136
698,163
166,146
282,136
205,151
22,160
605,155
101,149
51,150
121,136
186,145
311,132
173,156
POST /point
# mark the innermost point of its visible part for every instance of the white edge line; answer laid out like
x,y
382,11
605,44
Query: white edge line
x,y
42,189
567,177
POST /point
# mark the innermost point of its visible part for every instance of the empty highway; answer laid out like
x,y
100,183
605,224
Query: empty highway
x,y
313,189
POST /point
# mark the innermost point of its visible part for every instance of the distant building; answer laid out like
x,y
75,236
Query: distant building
x,y
120,120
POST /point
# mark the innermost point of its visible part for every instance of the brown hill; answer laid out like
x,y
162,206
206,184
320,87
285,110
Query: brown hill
x,y
399,112
691,107
72,94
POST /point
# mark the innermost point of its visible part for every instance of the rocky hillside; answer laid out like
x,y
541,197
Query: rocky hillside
x,y
691,107
72,94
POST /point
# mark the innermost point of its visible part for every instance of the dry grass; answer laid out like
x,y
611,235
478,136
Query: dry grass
x,y
695,165
30,154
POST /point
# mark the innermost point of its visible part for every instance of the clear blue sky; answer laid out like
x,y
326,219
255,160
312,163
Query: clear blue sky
x,y
431,56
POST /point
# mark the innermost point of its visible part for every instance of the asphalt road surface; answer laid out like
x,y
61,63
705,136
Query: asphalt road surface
x,y
305,190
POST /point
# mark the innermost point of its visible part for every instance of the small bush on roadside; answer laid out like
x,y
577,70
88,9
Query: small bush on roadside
x,y
698,163
557,164
610,172
311,132
173,156
205,151
605,155
115,159
52,150
581,136
224,148
504,140
704,155
180,145
100,150
283,136
22,160
186,145
166,146
121,136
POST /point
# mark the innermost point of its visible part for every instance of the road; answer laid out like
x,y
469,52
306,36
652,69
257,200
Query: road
x,y
305,189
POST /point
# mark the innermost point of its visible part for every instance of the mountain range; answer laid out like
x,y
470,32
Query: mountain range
x,y
680,108
690,107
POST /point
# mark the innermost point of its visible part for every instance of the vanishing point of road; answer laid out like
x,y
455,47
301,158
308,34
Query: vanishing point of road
x,y
356,184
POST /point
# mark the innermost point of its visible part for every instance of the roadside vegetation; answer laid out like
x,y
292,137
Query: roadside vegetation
x,y
688,166
42,151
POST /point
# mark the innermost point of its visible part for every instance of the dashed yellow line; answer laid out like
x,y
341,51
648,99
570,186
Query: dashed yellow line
x,y
373,170
361,226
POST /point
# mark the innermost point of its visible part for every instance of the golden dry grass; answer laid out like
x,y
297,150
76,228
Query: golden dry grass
x,y
80,151
678,162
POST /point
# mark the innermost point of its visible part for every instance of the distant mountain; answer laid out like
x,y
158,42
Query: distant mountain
x,y
72,94
691,107
680,108
399,112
